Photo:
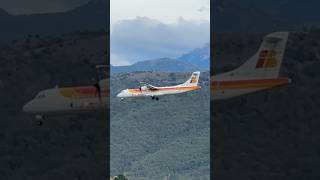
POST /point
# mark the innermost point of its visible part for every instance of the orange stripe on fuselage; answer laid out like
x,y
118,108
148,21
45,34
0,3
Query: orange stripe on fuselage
x,y
165,89
247,84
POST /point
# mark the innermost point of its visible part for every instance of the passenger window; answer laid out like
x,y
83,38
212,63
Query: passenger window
x,y
41,96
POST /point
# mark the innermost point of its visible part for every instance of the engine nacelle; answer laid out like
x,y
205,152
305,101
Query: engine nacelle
x,y
144,88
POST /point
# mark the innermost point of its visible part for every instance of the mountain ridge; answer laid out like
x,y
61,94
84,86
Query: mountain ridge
x,y
158,65
197,59
198,56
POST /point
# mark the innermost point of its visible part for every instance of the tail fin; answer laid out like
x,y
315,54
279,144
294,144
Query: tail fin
x,y
266,62
193,80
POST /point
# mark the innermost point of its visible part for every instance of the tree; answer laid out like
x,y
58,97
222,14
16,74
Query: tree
x,y
121,177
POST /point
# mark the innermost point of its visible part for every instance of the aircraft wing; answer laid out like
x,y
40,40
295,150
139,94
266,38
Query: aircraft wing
x,y
149,86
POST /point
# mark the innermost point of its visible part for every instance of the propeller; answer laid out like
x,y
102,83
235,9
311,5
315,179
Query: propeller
x,y
97,84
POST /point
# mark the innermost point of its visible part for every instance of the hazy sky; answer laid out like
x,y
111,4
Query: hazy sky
x,y
39,6
150,29
143,38
166,11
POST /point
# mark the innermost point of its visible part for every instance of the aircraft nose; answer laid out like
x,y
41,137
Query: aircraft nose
x,y
27,107
122,94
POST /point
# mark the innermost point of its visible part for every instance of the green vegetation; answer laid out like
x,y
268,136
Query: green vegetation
x,y
161,139
271,134
65,147
120,177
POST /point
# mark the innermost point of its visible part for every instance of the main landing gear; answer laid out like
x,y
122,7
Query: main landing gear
x,y
155,98
38,120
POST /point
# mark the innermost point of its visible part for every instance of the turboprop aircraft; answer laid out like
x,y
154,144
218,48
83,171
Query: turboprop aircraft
x,y
70,100
147,90
259,72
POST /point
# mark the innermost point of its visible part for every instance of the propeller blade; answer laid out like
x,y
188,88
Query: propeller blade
x,y
97,85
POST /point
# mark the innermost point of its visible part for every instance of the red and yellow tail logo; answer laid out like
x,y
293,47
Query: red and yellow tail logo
x,y
267,59
193,79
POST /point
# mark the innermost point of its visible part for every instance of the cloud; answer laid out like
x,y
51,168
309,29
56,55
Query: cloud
x,y
203,9
144,38
117,60
166,11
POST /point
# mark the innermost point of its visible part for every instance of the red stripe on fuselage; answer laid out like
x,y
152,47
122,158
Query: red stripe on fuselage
x,y
82,92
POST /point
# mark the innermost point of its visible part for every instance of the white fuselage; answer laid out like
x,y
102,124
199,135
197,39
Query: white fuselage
x,y
71,100
160,91
224,89
259,72
52,102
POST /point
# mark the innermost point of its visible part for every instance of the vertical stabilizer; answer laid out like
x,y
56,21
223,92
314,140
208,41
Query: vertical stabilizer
x,y
266,62
193,80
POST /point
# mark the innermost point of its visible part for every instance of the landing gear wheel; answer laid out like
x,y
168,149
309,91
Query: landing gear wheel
x,y
39,123
39,119
157,98
152,97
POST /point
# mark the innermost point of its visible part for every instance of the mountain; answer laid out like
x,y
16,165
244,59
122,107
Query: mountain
x,y
91,16
158,65
160,139
199,57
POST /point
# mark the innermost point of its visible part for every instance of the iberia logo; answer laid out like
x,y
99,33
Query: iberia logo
x,y
267,59
193,79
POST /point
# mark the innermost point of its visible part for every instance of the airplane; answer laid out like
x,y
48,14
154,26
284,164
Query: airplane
x,y
260,72
147,90
70,100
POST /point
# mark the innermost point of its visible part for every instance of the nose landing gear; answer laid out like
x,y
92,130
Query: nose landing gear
x,y
155,98
38,120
